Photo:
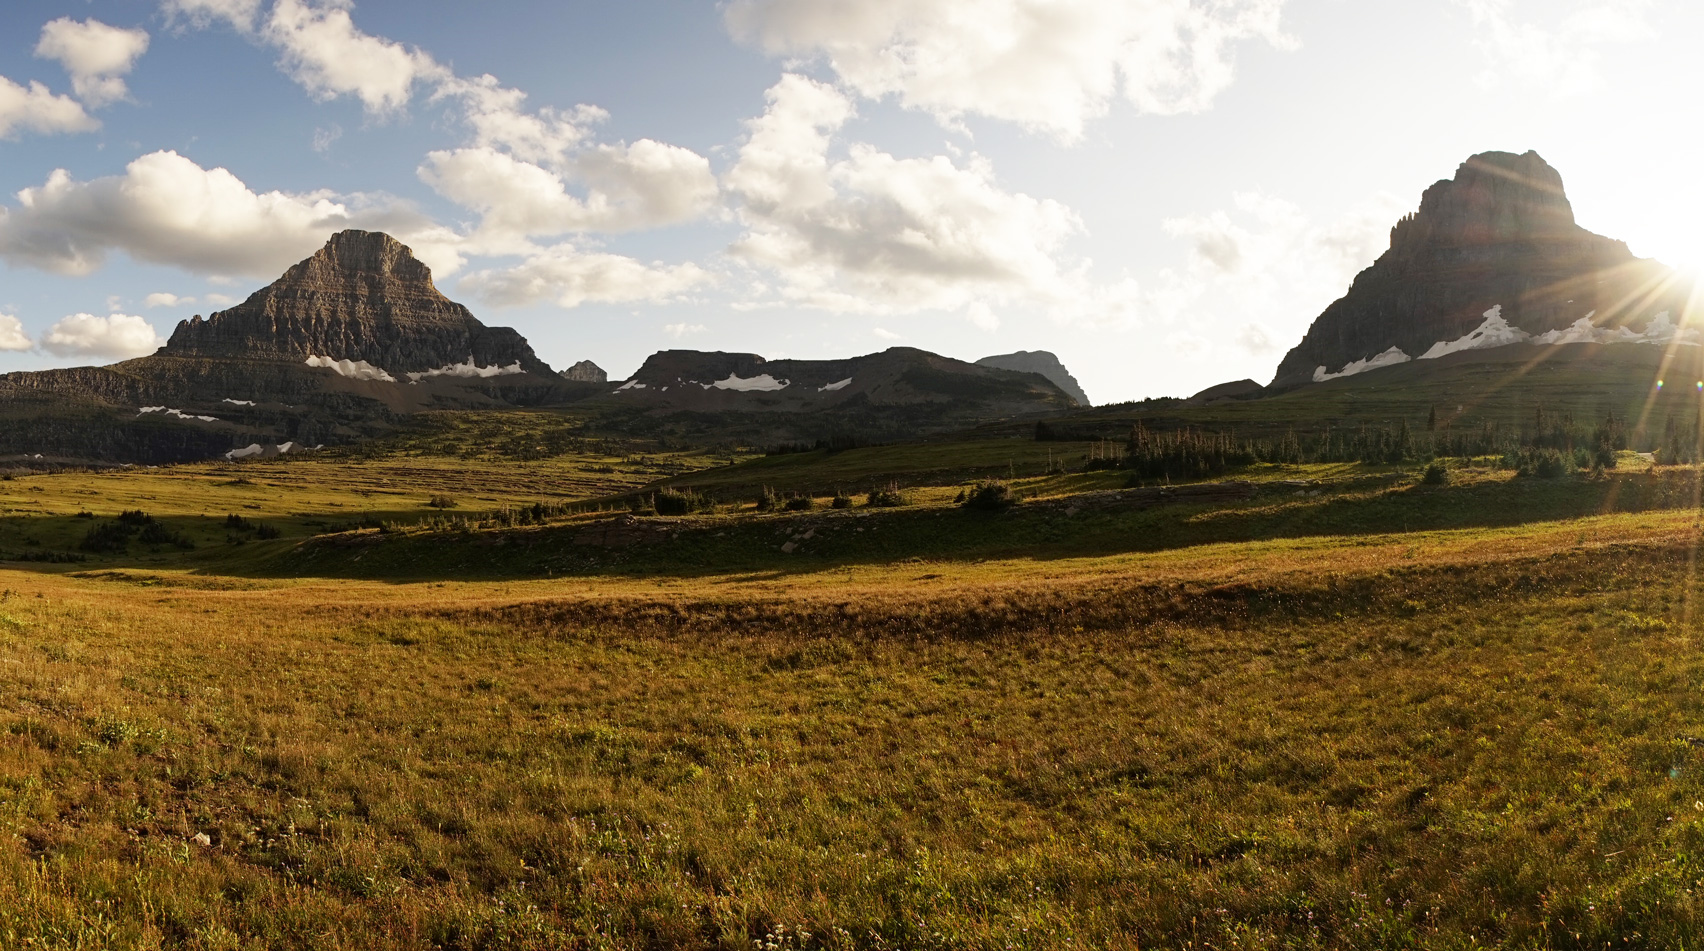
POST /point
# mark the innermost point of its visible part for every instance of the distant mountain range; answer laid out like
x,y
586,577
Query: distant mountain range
x,y
351,341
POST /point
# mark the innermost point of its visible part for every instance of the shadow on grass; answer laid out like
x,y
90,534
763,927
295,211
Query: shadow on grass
x,y
758,548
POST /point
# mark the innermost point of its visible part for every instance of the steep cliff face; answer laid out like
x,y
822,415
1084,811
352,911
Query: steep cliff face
x,y
363,298
1501,234
1042,362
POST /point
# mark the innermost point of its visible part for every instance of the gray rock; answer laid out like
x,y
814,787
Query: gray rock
x,y
1042,362
362,297
585,372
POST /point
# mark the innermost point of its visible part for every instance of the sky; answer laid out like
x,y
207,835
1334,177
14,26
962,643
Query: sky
x,y
1164,193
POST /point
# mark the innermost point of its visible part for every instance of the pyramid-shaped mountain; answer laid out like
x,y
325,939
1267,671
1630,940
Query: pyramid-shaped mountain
x,y
363,298
1493,257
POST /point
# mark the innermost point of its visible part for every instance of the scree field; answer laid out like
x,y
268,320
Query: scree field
x,y
437,697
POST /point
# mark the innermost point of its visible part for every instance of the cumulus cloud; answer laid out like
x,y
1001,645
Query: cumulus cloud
x,y
325,52
1047,64
165,209
526,172
119,336
680,330
1552,46
12,335
643,185
37,109
876,234
569,277
164,299
97,56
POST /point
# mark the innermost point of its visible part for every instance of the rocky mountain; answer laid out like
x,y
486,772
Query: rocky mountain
x,y
1042,362
363,299
897,393
585,372
343,347
1492,258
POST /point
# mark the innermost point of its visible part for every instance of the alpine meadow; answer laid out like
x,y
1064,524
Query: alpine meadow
x,y
338,613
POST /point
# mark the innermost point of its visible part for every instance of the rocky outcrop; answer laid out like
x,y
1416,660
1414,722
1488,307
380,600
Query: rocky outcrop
x,y
1501,235
585,372
1042,362
364,297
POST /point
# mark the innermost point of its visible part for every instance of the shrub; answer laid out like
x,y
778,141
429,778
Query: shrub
x,y
237,523
766,500
990,497
156,533
441,502
107,538
888,497
1436,474
135,518
800,503
841,501
1544,463
266,532
674,502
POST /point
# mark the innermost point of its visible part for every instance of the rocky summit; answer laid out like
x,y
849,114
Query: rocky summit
x,y
366,299
1493,257
1042,362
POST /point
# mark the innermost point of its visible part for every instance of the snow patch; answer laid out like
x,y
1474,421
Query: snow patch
x,y
833,387
757,384
1389,358
1493,332
630,385
256,450
180,414
238,402
353,369
1659,330
468,370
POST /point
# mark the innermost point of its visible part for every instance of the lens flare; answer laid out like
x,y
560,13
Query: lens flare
x,y
1659,384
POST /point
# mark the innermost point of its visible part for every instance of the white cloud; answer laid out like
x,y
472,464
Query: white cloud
x,y
884,334
643,185
680,330
877,234
119,336
38,109
1553,46
330,57
165,209
12,335
241,14
1047,64
165,299
218,300
570,277
96,55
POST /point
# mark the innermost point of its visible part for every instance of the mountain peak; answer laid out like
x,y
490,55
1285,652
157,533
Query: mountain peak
x,y
363,297
1500,236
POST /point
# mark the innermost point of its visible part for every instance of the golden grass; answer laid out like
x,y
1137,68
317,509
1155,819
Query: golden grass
x,y
1403,740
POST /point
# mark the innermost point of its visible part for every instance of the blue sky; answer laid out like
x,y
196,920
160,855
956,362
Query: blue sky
x,y
1162,192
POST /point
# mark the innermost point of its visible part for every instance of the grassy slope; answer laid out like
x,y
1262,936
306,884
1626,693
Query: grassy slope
x,y
1405,741
1380,716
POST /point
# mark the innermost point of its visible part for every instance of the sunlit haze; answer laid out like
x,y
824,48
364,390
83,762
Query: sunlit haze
x,y
1164,194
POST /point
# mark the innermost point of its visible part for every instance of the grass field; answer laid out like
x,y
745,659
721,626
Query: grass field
x,y
1352,713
